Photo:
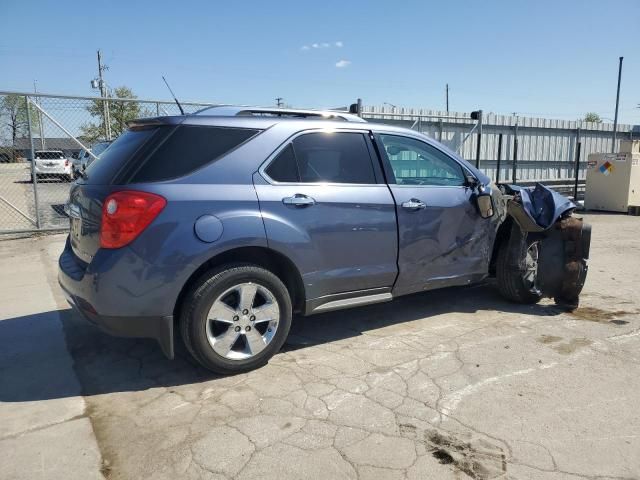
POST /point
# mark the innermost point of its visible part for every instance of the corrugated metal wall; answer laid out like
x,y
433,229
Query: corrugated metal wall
x,y
546,147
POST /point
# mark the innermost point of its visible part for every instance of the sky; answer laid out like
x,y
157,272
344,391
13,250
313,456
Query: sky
x,y
556,59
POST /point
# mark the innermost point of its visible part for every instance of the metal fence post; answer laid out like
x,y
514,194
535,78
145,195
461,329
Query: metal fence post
x,y
32,155
577,165
479,146
499,158
515,153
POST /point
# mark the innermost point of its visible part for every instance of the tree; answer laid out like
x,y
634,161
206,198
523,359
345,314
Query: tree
x,y
592,117
13,114
119,114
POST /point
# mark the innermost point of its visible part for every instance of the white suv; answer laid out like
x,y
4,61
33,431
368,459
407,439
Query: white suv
x,y
52,163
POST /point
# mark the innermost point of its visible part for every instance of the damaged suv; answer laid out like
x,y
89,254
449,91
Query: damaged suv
x,y
223,224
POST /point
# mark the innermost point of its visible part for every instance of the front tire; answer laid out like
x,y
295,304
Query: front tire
x,y
516,285
235,318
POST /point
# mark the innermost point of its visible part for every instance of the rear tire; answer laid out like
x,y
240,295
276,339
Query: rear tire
x,y
512,283
235,318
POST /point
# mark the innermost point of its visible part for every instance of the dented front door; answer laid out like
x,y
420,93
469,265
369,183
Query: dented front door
x,y
442,239
443,243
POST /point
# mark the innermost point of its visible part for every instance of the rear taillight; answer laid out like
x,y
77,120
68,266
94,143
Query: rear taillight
x,y
126,214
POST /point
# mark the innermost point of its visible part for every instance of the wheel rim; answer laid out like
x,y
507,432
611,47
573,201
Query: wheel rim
x,y
242,321
531,266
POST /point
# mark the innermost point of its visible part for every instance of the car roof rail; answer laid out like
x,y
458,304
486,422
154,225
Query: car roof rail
x,y
230,111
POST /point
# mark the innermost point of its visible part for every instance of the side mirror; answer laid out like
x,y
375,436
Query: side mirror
x,y
485,205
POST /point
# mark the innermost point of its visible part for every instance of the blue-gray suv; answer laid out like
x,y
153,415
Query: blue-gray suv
x,y
224,224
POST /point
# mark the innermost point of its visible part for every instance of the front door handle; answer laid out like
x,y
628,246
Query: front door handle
x,y
414,204
299,200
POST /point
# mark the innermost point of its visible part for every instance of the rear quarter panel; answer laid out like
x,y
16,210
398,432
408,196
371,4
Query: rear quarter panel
x,y
170,247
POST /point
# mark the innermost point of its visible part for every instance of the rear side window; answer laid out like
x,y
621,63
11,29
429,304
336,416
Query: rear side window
x,y
188,148
324,157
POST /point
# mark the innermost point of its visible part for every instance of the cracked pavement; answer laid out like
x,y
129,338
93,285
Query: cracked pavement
x,y
453,383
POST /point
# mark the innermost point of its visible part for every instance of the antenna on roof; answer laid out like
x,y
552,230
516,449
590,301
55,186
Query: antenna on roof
x,y
173,95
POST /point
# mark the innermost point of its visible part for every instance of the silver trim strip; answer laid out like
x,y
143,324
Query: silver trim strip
x,y
354,302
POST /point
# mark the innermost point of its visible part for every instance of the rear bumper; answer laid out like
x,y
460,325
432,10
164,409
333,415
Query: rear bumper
x,y
80,291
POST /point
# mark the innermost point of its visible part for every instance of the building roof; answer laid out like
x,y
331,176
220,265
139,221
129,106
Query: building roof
x,y
50,144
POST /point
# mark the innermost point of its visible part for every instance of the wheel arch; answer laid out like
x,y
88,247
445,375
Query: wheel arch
x,y
264,257
502,236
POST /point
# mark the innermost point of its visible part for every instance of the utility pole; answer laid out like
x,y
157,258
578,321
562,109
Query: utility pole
x,y
103,95
40,124
447,95
279,102
615,118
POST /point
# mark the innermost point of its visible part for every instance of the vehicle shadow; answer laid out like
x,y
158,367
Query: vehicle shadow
x,y
106,364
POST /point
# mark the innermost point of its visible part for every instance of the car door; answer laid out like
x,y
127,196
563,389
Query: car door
x,y
326,207
442,238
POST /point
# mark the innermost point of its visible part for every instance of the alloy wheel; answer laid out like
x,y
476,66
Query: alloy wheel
x,y
242,321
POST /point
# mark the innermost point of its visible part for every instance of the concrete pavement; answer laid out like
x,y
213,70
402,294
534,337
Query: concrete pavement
x,y
42,434
448,384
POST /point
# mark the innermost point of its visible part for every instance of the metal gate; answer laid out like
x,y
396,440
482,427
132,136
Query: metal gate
x,y
43,126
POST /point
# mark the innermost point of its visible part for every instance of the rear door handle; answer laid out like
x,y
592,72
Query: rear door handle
x,y
414,204
299,200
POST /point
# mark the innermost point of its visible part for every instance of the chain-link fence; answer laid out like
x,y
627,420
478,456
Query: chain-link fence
x,y
54,129
64,132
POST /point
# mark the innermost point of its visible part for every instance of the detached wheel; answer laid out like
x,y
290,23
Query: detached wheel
x,y
236,318
517,285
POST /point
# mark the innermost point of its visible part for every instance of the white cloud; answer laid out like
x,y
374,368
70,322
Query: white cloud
x,y
337,44
343,63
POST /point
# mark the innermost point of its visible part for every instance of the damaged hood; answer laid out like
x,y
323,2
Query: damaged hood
x,y
537,208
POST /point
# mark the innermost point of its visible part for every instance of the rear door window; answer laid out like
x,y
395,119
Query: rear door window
x,y
333,157
341,157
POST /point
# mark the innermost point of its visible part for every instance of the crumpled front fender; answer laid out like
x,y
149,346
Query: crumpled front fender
x,y
543,215
537,209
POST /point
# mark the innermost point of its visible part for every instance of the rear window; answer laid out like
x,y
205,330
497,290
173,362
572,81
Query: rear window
x,y
163,153
103,171
49,155
188,148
